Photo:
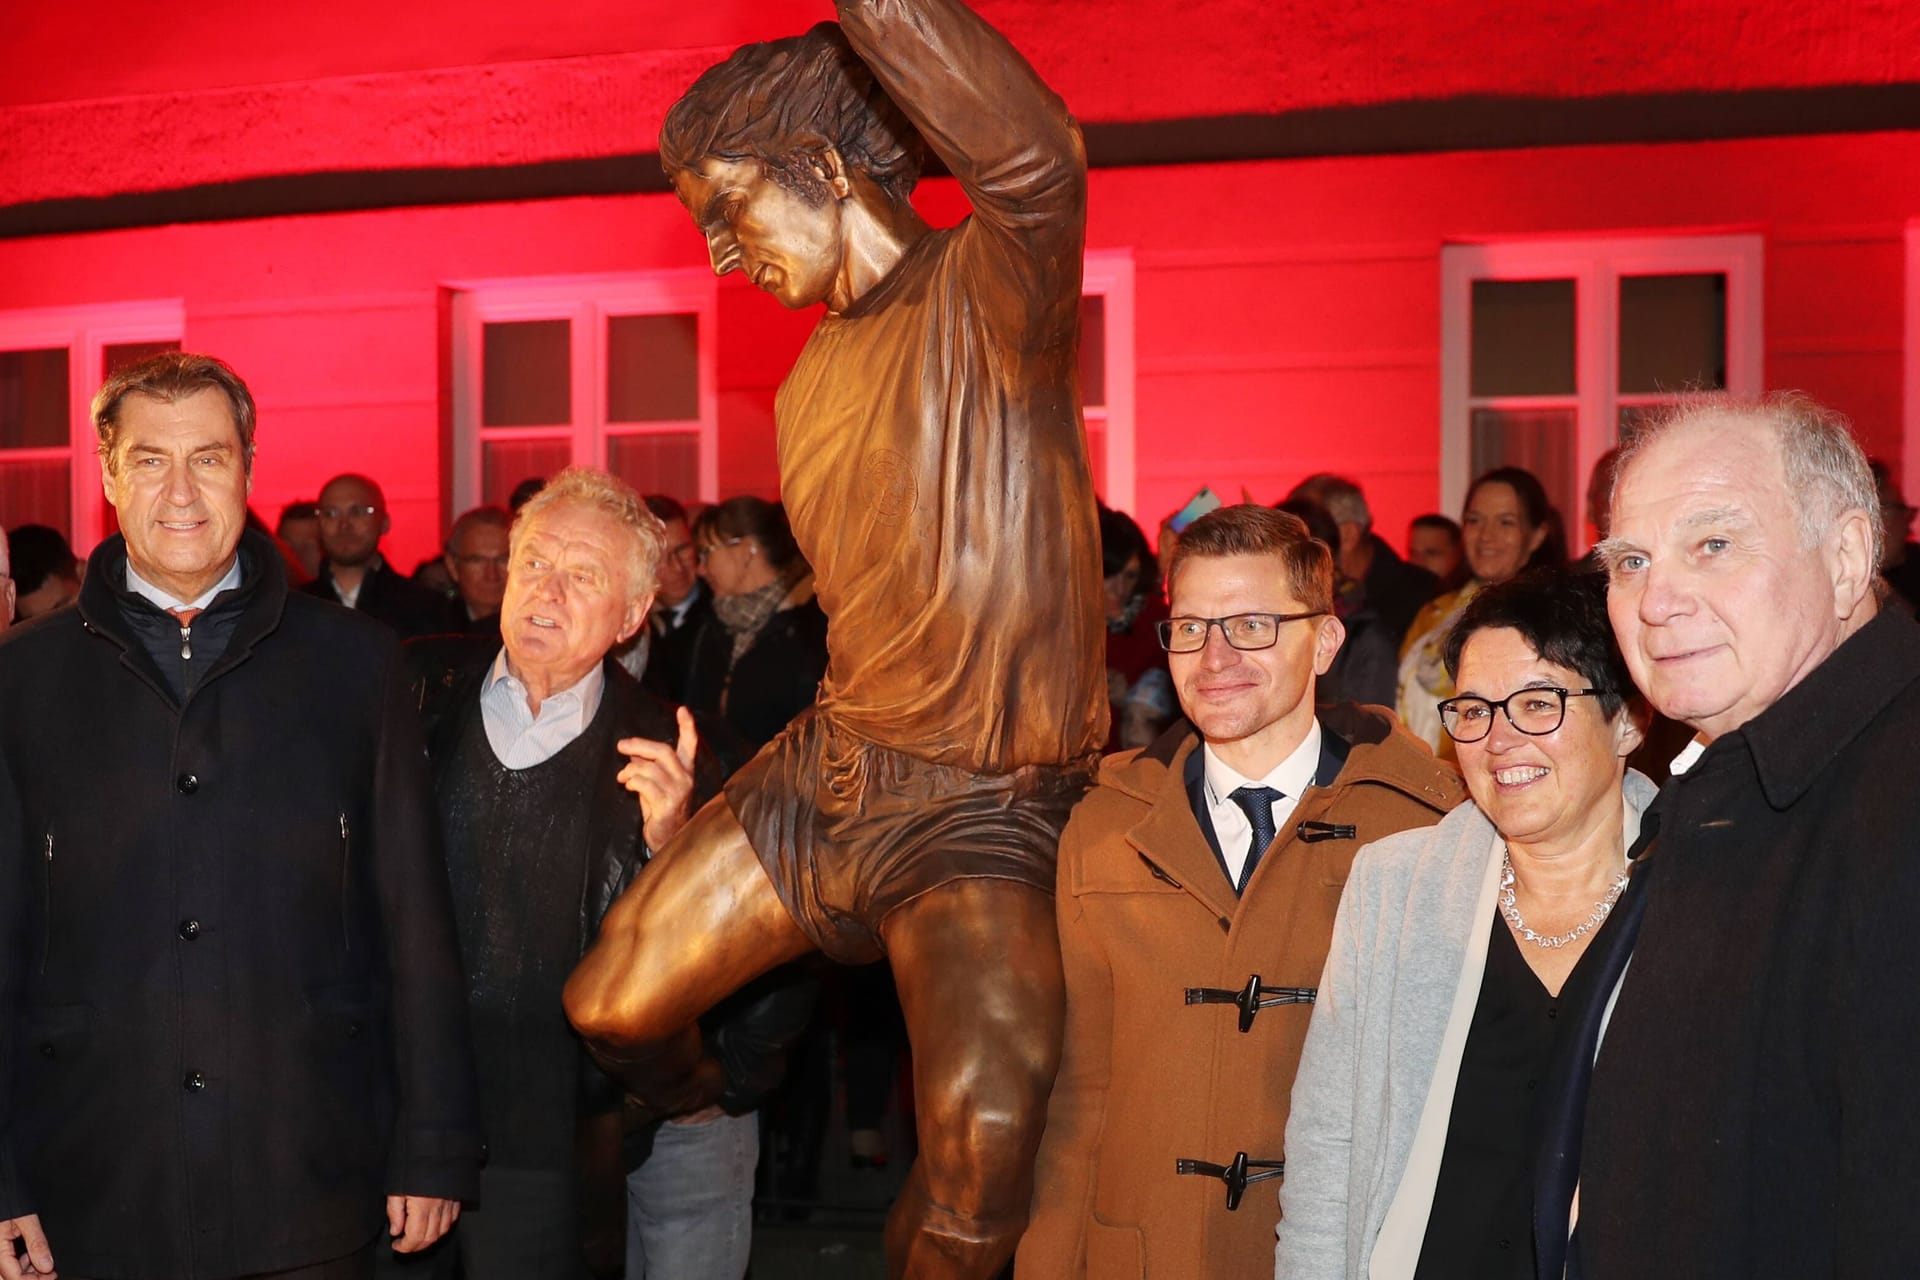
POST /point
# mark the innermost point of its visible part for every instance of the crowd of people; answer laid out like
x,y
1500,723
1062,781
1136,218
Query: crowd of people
x,y
1386,861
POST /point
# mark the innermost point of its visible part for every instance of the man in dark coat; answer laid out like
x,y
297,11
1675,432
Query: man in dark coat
x,y
353,519
1751,1112
682,604
1390,587
232,1016
528,740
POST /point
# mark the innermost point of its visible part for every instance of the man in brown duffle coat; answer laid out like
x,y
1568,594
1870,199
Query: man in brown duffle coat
x,y
1196,898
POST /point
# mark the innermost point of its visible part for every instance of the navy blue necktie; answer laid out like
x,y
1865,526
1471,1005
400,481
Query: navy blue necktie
x,y
1257,804
1557,1163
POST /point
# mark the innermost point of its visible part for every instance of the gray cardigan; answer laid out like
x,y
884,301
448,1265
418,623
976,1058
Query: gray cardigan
x,y
1374,1092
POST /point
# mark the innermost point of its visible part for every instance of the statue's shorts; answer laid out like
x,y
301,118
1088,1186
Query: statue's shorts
x,y
849,831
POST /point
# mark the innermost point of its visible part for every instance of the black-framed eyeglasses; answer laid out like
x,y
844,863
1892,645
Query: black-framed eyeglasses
x,y
707,549
356,511
685,553
1534,712
1242,630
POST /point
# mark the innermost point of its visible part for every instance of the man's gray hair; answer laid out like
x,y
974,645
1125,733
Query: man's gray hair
x,y
606,493
1826,471
1341,497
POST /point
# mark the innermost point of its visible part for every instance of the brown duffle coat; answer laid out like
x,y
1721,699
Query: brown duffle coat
x,y
1155,1073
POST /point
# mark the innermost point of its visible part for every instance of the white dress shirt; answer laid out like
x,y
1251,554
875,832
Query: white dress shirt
x,y
1291,778
141,587
519,738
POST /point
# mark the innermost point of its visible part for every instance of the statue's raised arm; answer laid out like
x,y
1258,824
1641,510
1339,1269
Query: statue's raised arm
x,y
1007,138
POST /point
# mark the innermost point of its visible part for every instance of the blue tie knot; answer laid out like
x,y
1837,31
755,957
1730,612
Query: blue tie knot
x,y
1257,804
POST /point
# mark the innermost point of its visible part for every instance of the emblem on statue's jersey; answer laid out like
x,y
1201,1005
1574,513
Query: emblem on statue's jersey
x,y
891,488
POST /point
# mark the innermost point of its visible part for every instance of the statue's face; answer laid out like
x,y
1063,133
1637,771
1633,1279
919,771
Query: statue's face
x,y
787,246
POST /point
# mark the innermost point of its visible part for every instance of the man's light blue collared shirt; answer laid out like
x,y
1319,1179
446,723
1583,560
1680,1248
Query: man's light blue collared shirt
x,y
519,738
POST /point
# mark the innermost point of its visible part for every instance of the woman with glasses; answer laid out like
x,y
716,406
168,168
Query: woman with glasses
x,y
1409,1151
1507,525
758,661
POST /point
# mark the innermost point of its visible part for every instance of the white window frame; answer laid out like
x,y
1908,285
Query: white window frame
x,y
588,302
1910,439
1595,265
86,333
1109,275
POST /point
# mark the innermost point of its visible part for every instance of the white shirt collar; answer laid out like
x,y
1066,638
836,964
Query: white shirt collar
x,y
521,739
141,587
1688,757
1291,777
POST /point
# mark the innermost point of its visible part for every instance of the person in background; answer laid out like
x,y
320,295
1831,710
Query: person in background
x,y
476,560
1364,669
1600,492
1900,559
1195,903
1734,1098
299,530
1433,543
1507,525
46,575
353,519
524,491
6,585
1410,1147
757,663
682,603
1393,588
232,1007
1139,689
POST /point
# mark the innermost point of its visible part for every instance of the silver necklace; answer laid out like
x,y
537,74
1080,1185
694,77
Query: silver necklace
x,y
1601,909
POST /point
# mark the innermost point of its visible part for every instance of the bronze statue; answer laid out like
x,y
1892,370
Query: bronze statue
x,y
934,467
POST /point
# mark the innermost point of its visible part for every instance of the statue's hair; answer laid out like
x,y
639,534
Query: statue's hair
x,y
783,99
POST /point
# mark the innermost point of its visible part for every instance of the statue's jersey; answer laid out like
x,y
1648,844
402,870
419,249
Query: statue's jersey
x,y
935,470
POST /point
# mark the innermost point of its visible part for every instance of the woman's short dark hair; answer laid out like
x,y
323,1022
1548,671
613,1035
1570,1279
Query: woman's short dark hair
x,y
1561,612
1540,510
749,517
1121,540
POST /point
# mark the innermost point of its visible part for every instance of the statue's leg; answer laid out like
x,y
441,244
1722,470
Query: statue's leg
x,y
977,963
700,922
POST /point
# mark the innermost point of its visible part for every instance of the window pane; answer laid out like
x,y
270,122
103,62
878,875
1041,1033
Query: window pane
x,y
117,356
653,368
1635,416
505,463
1541,440
1522,338
1673,333
34,493
1093,350
33,401
666,462
526,375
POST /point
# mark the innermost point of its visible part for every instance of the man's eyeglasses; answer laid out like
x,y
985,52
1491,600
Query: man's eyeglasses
x,y
357,511
1242,630
685,553
475,562
707,549
1534,712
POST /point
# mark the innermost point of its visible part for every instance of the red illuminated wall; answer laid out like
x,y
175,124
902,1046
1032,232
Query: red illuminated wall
x,y
1287,310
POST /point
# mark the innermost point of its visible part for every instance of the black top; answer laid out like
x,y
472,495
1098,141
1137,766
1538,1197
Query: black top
x,y
517,858
1481,1225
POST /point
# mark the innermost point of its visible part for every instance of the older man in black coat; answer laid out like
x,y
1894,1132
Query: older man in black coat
x,y
232,1020
1751,1111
